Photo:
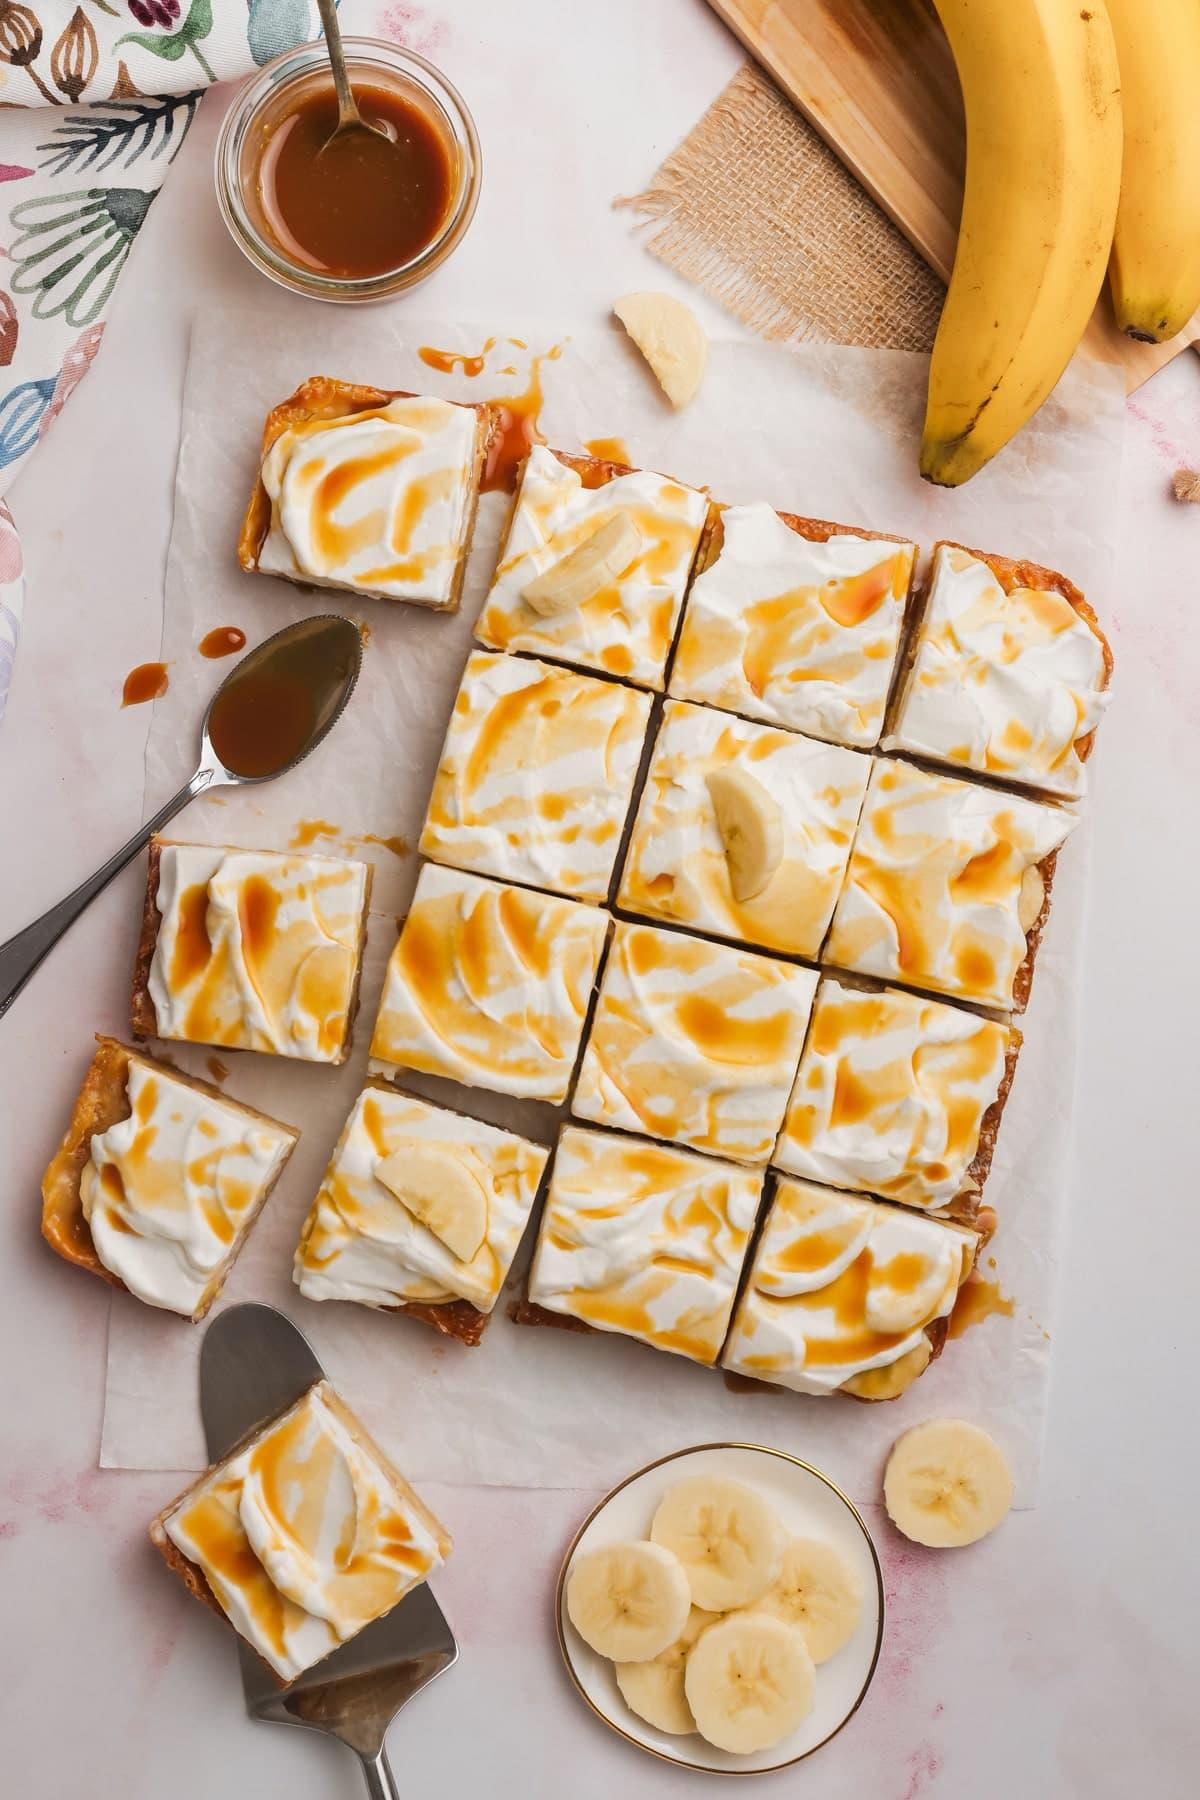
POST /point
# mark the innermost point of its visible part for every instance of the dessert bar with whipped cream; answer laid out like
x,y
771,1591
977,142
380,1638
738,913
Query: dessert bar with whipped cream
x,y
489,985
796,622
158,1180
948,886
1007,674
798,801
303,1536
536,777
623,621
421,1210
898,1095
369,490
251,949
642,1239
846,1294
694,1042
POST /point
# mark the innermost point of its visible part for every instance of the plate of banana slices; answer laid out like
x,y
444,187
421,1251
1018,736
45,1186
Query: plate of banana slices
x,y
722,1609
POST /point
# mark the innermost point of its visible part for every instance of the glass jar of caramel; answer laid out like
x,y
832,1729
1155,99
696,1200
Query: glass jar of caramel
x,y
366,216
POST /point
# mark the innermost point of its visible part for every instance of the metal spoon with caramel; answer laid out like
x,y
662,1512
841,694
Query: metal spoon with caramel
x,y
278,703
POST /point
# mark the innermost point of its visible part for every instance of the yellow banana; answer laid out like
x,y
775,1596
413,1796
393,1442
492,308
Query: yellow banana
x,y
1154,272
1041,90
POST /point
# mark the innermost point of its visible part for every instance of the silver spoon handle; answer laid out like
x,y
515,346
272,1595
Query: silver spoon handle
x,y
21,955
347,105
380,1781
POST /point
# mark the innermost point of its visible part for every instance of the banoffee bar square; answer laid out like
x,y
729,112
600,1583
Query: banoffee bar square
x,y
948,888
536,776
368,489
796,622
421,1211
626,625
846,1295
642,1239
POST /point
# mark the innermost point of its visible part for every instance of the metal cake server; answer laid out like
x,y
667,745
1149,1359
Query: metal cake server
x,y
294,687
253,1365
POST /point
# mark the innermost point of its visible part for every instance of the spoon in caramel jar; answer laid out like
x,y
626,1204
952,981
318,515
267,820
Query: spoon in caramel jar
x,y
278,703
349,117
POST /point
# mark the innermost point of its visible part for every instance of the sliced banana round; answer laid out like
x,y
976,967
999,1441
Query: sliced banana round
x,y
818,1592
726,1537
439,1191
750,822
749,1682
628,1601
654,1690
670,337
601,558
946,1484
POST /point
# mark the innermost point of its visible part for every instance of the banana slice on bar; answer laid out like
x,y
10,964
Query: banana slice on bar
x,y
749,1682
946,1484
654,1690
628,1601
726,1537
438,1191
670,337
818,1592
750,822
602,558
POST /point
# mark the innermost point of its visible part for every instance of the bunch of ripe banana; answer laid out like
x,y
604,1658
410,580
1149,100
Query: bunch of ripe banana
x,y
1083,151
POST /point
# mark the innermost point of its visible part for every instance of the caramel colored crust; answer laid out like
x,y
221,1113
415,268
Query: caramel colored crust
x,y
817,531
326,397
103,1100
452,1318
193,1576
989,1127
1023,979
528,1312
1011,573
144,1019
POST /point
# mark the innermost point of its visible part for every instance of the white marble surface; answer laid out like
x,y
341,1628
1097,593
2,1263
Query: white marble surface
x,y
1057,1659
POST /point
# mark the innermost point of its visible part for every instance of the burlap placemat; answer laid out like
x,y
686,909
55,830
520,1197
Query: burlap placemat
x,y
756,209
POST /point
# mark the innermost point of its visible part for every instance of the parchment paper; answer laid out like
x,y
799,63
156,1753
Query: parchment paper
x,y
823,431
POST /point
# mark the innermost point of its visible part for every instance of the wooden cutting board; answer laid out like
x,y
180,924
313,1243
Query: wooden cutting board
x,y
877,80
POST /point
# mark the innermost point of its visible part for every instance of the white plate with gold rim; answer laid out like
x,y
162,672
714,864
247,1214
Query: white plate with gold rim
x,y
809,1505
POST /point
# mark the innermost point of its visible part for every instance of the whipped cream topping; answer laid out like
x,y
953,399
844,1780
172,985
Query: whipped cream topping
x,y
840,1285
377,501
644,1239
676,867
257,951
537,775
795,631
489,985
628,627
305,1536
1006,683
694,1041
361,1242
932,892
170,1190
891,1094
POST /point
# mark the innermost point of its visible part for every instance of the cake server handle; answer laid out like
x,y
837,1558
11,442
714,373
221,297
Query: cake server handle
x,y
380,1781
22,954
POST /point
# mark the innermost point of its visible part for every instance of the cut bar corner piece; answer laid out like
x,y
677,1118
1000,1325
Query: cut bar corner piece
x,y
795,622
846,1294
536,775
1006,674
251,949
694,1042
626,626
643,1239
489,985
159,1179
948,886
899,1095
369,490
420,1211
303,1536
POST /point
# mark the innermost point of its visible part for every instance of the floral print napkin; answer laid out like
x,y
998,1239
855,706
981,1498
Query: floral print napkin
x,y
124,78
